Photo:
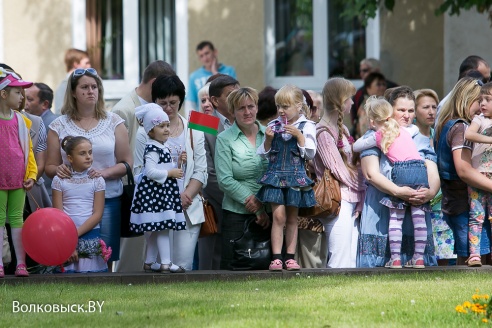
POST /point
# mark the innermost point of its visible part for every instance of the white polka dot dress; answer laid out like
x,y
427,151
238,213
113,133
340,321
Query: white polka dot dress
x,y
157,206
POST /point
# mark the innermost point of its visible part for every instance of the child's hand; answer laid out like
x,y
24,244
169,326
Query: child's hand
x,y
182,158
28,184
295,132
175,173
269,134
74,257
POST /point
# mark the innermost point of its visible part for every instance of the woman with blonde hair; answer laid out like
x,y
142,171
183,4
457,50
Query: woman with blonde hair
x,y
84,115
454,163
238,167
334,152
408,170
426,101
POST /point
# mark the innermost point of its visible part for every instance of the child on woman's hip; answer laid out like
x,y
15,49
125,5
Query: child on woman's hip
x,y
479,132
408,170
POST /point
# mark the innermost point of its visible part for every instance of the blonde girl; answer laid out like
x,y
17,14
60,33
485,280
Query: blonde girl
x,y
408,170
479,132
290,140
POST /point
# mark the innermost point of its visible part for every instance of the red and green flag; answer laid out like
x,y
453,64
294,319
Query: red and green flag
x,y
203,122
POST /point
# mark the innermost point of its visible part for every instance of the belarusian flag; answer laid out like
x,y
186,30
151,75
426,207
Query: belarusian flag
x,y
203,122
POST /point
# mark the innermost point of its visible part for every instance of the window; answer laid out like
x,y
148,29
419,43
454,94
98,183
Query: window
x,y
124,36
105,37
307,42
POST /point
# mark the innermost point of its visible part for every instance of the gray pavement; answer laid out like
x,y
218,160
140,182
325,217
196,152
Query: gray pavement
x,y
219,275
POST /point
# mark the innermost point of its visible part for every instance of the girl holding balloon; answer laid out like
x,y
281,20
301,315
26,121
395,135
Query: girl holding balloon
x,y
82,198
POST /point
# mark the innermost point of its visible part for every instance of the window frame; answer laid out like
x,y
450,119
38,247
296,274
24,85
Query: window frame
x,y
116,89
320,48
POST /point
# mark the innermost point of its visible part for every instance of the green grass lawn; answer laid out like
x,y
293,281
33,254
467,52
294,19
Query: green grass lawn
x,y
423,299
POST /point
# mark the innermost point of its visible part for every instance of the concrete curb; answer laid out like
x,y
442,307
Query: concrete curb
x,y
220,275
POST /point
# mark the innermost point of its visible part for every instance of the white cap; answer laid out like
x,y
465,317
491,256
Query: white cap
x,y
150,115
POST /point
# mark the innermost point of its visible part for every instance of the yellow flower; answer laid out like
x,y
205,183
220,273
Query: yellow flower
x,y
485,320
459,309
475,296
474,241
466,304
474,195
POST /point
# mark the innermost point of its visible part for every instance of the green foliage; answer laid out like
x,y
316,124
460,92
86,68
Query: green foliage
x,y
365,9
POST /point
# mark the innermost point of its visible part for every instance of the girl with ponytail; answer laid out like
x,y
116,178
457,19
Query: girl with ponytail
x,y
334,152
409,169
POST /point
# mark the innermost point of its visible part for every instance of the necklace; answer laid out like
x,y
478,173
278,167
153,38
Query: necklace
x,y
89,126
5,116
328,122
176,131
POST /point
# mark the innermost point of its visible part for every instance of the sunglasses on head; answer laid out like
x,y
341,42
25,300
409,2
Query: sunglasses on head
x,y
4,73
479,83
82,71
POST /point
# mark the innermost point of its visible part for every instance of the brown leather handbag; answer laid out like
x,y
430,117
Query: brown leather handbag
x,y
209,227
326,192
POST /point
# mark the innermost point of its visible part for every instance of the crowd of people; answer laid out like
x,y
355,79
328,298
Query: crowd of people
x,y
410,169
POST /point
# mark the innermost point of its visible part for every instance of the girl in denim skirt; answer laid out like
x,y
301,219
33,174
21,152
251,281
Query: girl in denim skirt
x,y
408,170
290,140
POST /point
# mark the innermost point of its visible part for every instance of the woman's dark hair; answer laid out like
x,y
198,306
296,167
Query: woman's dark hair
x,y
309,100
371,77
69,143
165,86
266,103
399,92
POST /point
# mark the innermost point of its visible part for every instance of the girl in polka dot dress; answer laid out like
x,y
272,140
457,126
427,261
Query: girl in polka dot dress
x,y
156,207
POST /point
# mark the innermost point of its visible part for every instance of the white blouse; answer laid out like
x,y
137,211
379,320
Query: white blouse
x,y
103,140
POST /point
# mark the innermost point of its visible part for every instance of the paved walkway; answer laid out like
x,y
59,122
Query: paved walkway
x,y
192,276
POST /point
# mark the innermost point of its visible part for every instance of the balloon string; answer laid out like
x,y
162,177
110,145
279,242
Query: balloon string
x,y
34,200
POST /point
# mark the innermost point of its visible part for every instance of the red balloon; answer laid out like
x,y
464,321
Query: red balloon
x,y
49,236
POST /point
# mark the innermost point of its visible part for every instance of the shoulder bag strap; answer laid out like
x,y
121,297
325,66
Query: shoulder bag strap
x,y
318,132
129,174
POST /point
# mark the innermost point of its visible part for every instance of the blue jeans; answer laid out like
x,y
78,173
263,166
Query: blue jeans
x,y
459,225
411,173
110,226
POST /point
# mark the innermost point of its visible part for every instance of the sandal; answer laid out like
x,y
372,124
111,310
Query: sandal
x,y
415,264
276,265
394,264
2,273
474,261
291,265
21,271
172,268
152,267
